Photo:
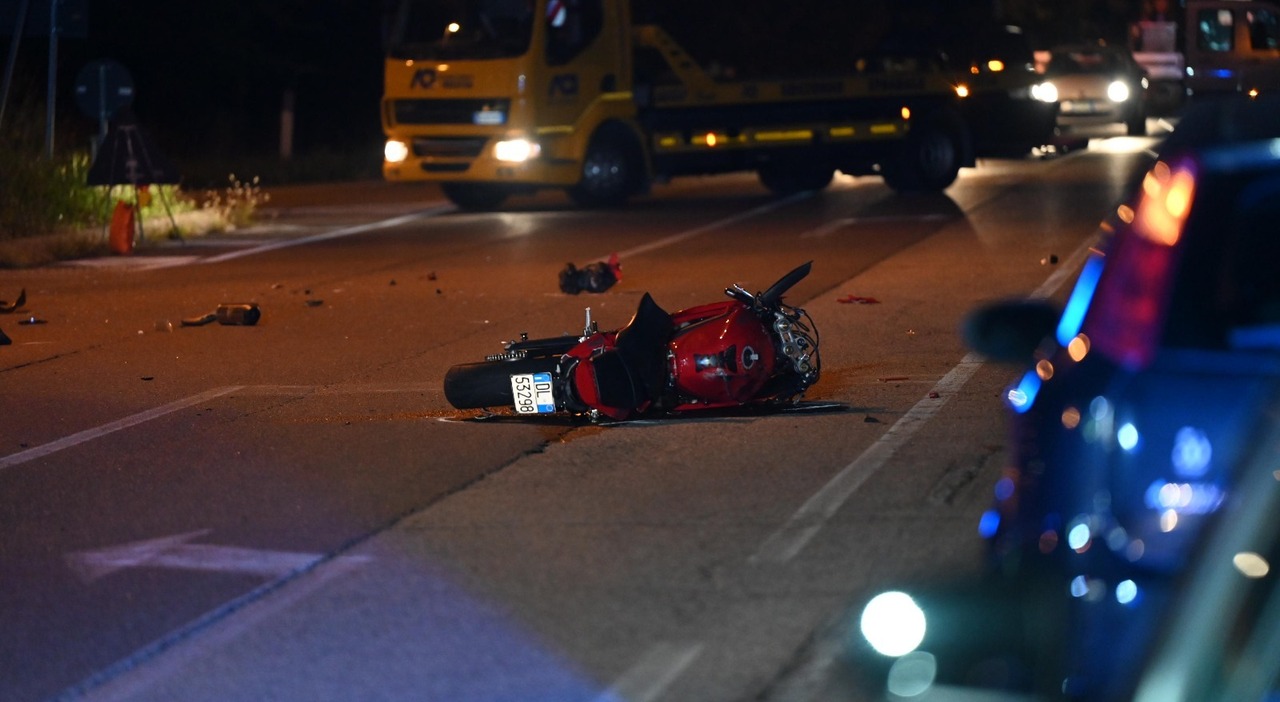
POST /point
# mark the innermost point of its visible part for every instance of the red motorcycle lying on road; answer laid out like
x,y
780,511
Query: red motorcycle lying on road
x,y
751,350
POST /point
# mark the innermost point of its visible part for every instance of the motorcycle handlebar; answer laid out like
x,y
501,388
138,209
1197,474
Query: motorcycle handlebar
x,y
773,295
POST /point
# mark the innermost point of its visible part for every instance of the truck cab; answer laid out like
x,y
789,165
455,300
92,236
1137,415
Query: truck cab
x,y
491,97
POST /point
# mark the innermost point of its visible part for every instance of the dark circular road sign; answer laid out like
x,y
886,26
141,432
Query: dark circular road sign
x,y
103,88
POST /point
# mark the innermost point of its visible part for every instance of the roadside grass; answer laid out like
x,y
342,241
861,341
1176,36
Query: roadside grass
x,y
49,213
161,212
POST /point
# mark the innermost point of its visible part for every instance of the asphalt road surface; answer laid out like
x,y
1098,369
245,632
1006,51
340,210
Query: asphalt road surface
x,y
291,510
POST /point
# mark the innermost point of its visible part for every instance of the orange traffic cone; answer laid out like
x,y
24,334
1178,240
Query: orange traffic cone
x,y
122,226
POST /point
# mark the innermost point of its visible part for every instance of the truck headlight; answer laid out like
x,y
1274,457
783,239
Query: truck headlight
x,y
1045,92
395,151
516,150
1118,91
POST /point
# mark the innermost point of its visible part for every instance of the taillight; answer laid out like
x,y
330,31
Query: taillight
x,y
1129,306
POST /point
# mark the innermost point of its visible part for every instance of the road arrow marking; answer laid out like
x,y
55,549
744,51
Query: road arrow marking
x,y
176,553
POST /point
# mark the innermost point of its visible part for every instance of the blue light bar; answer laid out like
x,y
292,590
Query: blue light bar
x,y
1073,314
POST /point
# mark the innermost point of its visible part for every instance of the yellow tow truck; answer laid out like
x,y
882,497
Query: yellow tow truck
x,y
491,98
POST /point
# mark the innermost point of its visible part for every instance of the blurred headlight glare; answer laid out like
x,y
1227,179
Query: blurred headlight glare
x,y
893,624
516,150
1118,91
1045,92
395,151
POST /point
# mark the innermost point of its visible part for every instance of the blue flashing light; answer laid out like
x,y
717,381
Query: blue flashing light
x,y
1004,488
989,524
1022,397
1222,73
1192,452
1073,314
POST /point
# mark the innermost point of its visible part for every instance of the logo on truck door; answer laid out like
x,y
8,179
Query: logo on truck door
x,y
427,77
423,78
563,85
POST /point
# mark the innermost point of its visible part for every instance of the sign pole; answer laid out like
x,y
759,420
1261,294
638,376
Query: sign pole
x,y
13,56
51,99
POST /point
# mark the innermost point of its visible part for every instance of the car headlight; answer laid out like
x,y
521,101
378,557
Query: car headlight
x,y
395,151
1045,92
516,150
893,623
1118,91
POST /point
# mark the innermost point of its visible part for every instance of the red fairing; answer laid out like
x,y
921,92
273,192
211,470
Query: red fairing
x,y
722,355
584,379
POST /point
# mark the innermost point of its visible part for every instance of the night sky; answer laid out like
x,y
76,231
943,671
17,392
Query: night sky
x,y
211,77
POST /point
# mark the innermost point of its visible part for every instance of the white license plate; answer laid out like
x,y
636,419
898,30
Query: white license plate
x,y
532,393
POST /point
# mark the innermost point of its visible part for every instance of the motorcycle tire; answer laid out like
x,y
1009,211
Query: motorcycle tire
x,y
488,383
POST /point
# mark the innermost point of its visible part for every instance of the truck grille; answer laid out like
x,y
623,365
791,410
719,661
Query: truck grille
x,y
448,147
447,111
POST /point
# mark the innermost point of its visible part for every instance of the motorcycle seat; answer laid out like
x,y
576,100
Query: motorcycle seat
x,y
633,373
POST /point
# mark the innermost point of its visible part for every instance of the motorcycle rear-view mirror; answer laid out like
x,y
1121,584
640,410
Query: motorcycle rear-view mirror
x,y
1010,331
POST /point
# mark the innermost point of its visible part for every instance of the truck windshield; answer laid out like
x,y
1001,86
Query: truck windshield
x,y
460,29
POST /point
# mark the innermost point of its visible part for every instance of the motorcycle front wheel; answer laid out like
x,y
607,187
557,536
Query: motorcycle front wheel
x,y
488,383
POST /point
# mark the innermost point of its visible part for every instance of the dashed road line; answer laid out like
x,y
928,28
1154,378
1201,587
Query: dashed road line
x,y
112,427
652,674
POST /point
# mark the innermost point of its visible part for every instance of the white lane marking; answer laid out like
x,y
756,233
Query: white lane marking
x,y
334,234
110,427
791,538
690,233
133,263
785,543
174,552
653,674
838,224
148,415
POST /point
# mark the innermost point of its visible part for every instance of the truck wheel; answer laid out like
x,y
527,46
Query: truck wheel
x,y
475,197
1137,124
789,178
610,171
928,161
488,384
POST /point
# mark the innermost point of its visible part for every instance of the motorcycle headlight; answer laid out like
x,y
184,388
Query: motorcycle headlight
x,y
1045,92
516,150
1118,91
395,151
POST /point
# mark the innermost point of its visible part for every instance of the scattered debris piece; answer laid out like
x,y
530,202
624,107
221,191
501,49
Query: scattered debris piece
x,y
870,420
314,302
857,299
4,339
148,377
164,325
199,321
593,277
431,275
6,307
933,395
244,314
1050,260
893,378
32,320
